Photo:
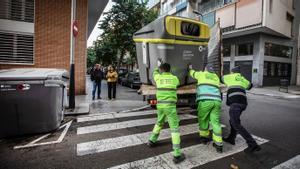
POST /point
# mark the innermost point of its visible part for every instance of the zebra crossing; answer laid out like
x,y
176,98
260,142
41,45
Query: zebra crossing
x,y
197,155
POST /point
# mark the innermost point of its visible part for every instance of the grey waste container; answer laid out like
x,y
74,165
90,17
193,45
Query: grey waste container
x,y
175,40
31,100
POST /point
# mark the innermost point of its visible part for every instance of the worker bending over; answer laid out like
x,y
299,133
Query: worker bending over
x,y
166,96
209,105
237,100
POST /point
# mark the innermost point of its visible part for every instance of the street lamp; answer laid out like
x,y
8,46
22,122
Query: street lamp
x,y
72,53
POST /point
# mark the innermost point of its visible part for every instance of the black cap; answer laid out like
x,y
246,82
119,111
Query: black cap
x,y
165,67
236,69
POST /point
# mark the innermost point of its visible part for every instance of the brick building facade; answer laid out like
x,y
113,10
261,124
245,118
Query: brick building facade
x,y
51,34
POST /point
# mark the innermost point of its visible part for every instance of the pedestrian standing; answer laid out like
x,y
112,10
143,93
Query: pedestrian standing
x,y
209,105
112,77
166,96
96,77
237,100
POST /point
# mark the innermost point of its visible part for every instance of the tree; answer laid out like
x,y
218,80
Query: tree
x,y
91,57
119,25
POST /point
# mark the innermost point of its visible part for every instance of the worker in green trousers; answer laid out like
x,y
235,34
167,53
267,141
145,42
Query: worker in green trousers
x,y
166,96
209,105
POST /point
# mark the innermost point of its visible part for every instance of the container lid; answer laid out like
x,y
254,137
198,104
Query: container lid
x,y
33,74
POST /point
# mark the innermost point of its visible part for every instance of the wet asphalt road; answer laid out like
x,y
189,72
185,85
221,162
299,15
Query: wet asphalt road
x,y
277,120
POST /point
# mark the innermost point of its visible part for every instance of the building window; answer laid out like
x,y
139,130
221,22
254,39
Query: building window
x,y
227,1
277,69
206,6
226,50
244,49
16,48
17,10
266,68
209,19
278,50
226,68
289,17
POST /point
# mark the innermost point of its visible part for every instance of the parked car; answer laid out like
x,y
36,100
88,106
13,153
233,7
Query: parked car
x,y
121,74
132,80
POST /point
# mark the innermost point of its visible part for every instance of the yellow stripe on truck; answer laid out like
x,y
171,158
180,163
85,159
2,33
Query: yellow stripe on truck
x,y
169,41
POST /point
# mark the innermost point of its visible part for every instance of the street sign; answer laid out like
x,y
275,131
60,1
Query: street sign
x,y
75,28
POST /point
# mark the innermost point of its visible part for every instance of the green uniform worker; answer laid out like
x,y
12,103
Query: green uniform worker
x,y
166,96
209,105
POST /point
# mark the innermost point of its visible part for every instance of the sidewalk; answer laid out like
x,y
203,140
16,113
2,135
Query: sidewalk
x,y
293,92
127,99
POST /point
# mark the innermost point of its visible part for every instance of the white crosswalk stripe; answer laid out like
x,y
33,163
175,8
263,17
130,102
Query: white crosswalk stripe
x,y
196,155
293,163
127,141
113,115
124,124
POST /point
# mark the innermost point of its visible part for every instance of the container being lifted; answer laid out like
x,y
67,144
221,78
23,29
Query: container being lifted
x,y
175,40
31,100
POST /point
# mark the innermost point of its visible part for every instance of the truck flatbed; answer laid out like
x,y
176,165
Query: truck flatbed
x,y
151,89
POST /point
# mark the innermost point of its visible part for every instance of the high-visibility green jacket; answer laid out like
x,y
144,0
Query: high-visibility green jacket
x,y
166,89
237,86
208,85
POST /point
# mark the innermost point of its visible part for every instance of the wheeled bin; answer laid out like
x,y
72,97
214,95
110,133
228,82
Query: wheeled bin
x,y
31,100
176,40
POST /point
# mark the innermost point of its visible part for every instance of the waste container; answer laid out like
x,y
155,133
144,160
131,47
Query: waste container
x,y
31,100
175,40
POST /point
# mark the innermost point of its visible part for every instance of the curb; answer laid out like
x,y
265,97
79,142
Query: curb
x,y
276,96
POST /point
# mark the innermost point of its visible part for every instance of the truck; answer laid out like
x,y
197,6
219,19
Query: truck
x,y
178,41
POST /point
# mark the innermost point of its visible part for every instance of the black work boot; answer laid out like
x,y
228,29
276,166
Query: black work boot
x,y
151,144
218,148
253,148
229,140
179,159
204,140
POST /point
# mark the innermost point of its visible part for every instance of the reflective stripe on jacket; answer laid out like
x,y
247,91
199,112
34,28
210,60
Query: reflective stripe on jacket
x,y
166,88
208,85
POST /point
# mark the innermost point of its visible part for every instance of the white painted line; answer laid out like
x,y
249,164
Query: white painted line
x,y
293,163
59,140
124,124
195,156
114,115
136,109
130,140
127,141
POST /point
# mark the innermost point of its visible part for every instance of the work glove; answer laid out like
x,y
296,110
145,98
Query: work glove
x,y
158,63
190,67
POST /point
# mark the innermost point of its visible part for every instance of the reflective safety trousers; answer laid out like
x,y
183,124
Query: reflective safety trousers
x,y
169,115
166,89
209,112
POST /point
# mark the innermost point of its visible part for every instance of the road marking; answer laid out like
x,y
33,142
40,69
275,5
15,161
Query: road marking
x,y
293,163
130,140
127,141
135,109
195,156
124,124
114,115
59,140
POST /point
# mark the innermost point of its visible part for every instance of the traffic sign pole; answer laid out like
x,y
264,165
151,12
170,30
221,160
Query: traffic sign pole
x,y
72,53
